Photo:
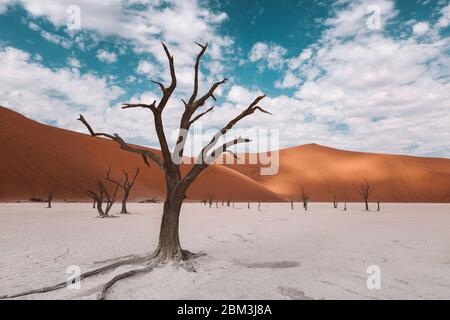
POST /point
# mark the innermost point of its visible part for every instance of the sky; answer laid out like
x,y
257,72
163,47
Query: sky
x,y
358,75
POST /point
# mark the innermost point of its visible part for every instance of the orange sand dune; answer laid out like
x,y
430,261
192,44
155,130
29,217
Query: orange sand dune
x,y
36,157
323,171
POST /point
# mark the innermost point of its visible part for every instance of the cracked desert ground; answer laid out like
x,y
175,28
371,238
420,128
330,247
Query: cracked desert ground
x,y
275,253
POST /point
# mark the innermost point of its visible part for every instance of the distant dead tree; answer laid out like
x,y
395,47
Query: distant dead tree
x,y
51,193
248,207
345,206
93,204
126,186
210,200
305,199
335,204
378,206
228,202
365,190
103,195
259,206
169,161
292,204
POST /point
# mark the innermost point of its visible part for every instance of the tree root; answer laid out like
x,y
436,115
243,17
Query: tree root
x,y
157,258
134,260
110,283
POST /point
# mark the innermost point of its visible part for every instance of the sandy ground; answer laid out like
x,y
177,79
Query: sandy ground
x,y
273,254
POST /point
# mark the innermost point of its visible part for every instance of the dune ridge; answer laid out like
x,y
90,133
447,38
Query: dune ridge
x,y
37,157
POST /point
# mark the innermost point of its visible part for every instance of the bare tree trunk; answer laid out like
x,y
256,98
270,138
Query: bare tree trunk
x,y
367,204
124,201
169,247
93,204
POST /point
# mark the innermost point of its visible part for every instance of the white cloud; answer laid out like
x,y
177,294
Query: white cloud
x,y
51,95
146,68
106,56
180,24
420,28
295,63
444,20
74,63
270,55
289,81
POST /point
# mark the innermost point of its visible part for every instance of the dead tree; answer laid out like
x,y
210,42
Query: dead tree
x,y
365,190
378,206
335,204
248,206
259,206
125,186
51,193
292,204
210,200
103,195
345,206
169,248
305,199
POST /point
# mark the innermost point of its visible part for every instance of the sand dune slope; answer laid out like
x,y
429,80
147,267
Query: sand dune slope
x,y
323,171
37,157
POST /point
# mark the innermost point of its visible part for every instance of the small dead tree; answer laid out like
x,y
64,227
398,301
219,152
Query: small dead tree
x,y
51,193
378,206
248,206
305,199
210,200
259,206
335,204
126,186
103,195
292,204
365,190
345,206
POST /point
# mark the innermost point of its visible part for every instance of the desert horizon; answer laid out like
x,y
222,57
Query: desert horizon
x,y
395,178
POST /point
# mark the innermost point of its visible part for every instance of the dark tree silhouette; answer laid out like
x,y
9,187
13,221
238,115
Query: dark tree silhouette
x,y
292,204
378,206
335,204
126,186
51,193
103,195
169,248
210,200
345,206
305,199
365,190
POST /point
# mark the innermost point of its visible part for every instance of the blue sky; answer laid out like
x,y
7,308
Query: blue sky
x,y
332,73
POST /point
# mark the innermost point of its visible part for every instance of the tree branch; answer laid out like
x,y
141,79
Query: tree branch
x,y
196,68
146,154
199,116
